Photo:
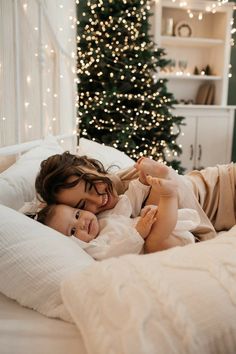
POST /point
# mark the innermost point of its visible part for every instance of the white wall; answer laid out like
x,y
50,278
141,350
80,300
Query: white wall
x,y
37,69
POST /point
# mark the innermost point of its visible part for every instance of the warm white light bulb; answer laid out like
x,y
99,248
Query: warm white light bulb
x,y
200,16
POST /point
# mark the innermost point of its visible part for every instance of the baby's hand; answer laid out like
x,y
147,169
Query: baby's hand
x,y
146,208
164,187
147,218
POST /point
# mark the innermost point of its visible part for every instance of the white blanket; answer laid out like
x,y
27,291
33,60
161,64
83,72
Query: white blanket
x,y
178,301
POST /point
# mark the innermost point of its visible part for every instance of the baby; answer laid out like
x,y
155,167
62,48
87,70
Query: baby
x,y
100,237
115,234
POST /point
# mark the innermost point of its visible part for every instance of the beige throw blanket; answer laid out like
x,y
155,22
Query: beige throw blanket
x,y
210,191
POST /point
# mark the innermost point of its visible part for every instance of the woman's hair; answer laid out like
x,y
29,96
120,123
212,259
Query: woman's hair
x,y
44,215
55,171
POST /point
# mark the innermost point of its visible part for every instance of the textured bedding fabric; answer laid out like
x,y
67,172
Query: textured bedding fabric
x,y
182,300
34,259
25,331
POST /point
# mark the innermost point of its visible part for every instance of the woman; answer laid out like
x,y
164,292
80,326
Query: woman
x,y
83,183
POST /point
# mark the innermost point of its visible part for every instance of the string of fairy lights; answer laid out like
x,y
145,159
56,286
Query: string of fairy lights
x,y
91,58
48,54
210,7
88,61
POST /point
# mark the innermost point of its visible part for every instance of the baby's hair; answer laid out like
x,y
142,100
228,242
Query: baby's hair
x,y
44,215
56,170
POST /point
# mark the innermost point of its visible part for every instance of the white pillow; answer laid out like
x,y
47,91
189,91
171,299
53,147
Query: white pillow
x,y
34,259
106,154
17,182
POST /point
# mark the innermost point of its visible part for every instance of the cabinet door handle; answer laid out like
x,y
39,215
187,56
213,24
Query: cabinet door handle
x,y
191,152
199,152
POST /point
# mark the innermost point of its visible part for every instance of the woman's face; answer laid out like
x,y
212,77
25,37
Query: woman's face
x,y
74,222
86,198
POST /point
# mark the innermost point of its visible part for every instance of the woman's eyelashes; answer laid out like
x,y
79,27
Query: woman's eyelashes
x,y
81,204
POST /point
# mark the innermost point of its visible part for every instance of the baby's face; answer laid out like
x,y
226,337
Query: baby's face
x,y
74,222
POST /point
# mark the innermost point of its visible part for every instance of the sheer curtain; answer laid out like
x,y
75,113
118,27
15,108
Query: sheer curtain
x,y
37,69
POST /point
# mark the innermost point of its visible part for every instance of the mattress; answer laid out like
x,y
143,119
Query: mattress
x,y
25,331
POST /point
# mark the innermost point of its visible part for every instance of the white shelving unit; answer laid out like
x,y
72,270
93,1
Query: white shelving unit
x,y
206,42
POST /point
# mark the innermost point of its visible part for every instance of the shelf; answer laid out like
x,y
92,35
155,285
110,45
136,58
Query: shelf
x,y
188,77
208,47
198,5
190,41
204,106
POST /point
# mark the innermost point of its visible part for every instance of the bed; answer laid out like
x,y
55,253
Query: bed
x,y
24,330
56,299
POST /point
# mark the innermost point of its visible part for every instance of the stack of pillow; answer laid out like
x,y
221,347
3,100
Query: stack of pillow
x,y
34,259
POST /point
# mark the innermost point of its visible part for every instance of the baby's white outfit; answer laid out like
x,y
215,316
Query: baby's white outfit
x,y
118,234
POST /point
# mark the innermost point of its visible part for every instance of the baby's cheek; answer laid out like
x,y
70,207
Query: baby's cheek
x,y
84,236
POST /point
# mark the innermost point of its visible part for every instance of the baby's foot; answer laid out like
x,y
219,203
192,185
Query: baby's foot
x,y
153,168
164,187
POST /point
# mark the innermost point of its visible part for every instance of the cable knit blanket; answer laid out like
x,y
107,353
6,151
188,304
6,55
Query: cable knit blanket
x,y
180,301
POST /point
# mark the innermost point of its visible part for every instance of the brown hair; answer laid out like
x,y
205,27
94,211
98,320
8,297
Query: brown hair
x,y
44,215
55,171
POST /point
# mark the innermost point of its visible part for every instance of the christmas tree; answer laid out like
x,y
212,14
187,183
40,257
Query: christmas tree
x,y
120,101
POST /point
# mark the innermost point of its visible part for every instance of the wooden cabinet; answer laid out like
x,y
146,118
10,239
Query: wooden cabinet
x,y
206,139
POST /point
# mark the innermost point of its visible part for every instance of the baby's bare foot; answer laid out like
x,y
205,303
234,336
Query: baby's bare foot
x,y
153,168
164,187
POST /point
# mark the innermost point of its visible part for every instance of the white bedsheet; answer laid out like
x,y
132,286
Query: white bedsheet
x,y
180,301
25,331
